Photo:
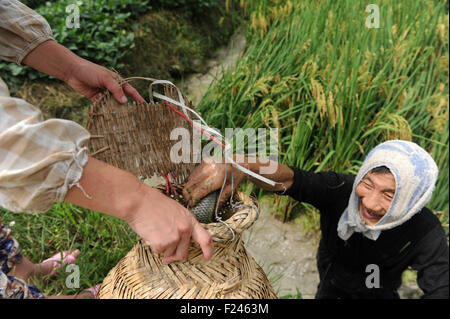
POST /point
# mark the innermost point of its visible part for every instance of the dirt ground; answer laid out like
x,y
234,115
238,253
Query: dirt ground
x,y
286,253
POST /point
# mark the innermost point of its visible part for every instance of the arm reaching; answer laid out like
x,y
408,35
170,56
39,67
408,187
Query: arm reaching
x,y
87,78
26,38
41,162
210,174
161,222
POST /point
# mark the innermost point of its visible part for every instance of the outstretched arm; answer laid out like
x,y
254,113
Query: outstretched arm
x,y
165,225
210,174
26,38
85,77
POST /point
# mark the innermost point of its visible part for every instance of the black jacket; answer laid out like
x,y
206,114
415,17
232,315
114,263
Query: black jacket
x,y
420,243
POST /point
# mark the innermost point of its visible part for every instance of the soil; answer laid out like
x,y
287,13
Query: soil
x,y
286,253
195,85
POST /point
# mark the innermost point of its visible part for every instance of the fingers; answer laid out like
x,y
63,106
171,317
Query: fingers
x,y
202,237
169,251
206,178
178,250
181,251
131,91
75,253
191,190
117,91
199,174
198,193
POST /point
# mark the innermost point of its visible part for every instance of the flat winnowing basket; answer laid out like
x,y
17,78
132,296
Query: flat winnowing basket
x,y
136,138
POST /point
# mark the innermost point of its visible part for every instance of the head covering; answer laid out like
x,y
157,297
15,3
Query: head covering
x,y
415,174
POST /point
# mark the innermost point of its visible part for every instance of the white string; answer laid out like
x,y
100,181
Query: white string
x,y
76,161
206,128
81,188
227,150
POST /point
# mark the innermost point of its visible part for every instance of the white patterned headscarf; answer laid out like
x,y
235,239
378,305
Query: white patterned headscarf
x,y
415,174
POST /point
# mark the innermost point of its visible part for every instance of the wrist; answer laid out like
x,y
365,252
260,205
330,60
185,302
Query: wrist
x,y
136,200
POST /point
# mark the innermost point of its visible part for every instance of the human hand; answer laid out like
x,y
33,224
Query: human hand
x,y
85,77
208,177
163,224
90,79
166,226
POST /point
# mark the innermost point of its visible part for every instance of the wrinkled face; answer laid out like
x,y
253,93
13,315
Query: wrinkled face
x,y
375,193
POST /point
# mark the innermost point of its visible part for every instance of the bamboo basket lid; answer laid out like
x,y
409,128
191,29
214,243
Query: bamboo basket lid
x,y
136,138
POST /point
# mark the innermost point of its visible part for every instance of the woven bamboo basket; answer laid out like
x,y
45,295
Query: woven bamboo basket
x,y
136,138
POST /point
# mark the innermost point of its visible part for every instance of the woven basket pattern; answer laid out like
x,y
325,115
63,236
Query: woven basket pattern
x,y
230,273
136,138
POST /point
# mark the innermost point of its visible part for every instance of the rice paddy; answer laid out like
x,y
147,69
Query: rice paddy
x,y
335,88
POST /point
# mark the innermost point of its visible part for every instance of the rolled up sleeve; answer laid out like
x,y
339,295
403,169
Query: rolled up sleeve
x,y
39,160
21,30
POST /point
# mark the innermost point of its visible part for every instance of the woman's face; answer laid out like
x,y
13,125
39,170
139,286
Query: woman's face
x,y
375,193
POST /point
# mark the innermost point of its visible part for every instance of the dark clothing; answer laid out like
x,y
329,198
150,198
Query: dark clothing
x,y
420,243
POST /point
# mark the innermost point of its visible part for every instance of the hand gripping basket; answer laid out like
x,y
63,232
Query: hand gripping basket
x,y
136,138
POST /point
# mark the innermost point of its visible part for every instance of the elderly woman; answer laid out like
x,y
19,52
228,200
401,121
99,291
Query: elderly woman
x,y
374,225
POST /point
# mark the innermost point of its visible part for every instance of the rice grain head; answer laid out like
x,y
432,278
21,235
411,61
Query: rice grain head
x,y
319,97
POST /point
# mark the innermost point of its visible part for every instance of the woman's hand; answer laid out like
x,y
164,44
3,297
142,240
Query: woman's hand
x,y
90,79
208,177
85,77
166,226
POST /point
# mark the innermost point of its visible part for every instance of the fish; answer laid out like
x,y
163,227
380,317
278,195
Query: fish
x,y
205,209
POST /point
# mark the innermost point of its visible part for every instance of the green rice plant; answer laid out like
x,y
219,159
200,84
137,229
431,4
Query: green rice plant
x,y
335,88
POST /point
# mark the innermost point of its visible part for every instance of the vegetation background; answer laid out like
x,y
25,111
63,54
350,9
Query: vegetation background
x,y
333,87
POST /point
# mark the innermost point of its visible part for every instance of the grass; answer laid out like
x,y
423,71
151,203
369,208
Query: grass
x,y
169,45
298,295
102,239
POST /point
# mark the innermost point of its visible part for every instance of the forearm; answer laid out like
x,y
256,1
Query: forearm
x,y
281,174
53,59
112,191
162,223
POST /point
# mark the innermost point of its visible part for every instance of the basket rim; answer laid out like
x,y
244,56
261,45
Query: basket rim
x,y
227,230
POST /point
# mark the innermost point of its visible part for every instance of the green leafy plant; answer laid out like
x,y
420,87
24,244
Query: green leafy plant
x,y
104,37
191,5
